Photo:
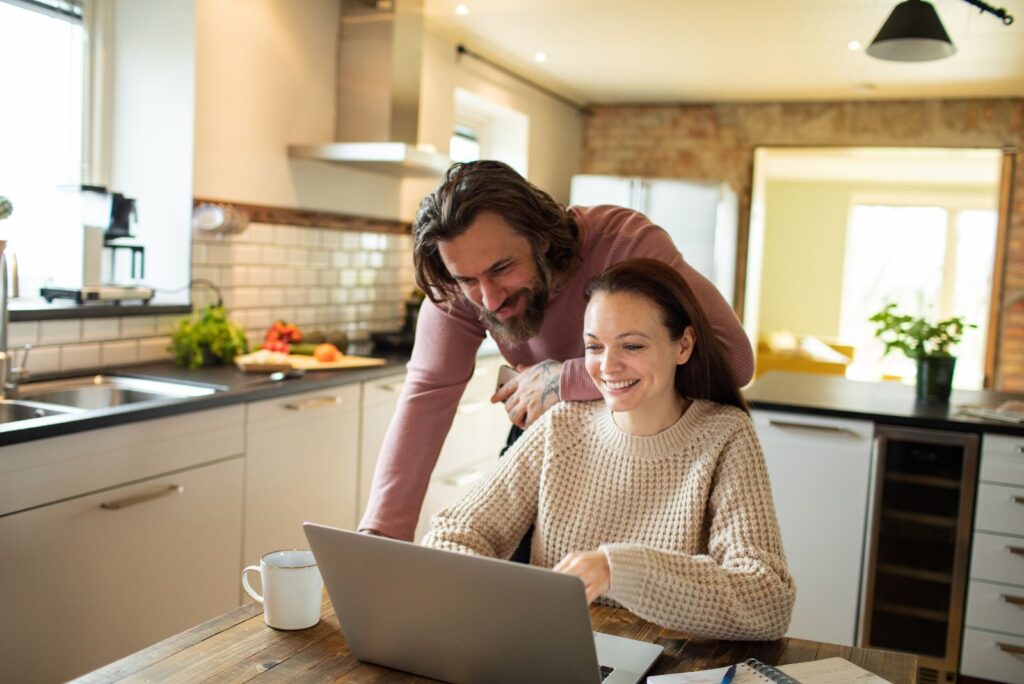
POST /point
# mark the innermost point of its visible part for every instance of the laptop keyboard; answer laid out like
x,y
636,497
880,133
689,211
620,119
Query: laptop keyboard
x,y
605,671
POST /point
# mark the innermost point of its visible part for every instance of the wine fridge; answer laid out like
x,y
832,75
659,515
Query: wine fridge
x,y
915,579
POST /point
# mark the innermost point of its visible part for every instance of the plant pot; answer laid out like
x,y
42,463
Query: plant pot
x,y
935,377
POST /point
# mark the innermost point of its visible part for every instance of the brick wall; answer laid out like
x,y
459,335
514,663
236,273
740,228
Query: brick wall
x,y
716,142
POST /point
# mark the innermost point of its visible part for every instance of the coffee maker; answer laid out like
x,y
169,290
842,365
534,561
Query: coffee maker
x,y
106,224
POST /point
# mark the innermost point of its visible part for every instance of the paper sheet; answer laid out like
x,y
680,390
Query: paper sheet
x,y
827,671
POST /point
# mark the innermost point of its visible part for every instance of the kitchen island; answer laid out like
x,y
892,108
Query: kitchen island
x,y
238,646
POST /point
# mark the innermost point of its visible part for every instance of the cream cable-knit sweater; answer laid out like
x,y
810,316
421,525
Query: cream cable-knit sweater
x,y
685,516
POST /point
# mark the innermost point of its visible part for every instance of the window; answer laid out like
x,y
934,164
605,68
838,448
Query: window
x,y
465,144
42,66
934,261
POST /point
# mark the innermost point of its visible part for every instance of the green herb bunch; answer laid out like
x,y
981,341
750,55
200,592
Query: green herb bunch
x,y
6,208
209,340
916,337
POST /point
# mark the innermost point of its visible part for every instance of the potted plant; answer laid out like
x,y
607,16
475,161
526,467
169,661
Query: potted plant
x,y
928,344
209,340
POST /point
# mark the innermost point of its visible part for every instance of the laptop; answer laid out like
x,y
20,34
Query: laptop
x,y
461,618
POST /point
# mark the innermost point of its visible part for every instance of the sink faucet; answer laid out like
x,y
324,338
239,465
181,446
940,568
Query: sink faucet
x,y
10,376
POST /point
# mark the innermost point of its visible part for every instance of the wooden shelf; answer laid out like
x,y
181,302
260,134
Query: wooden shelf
x,y
923,480
910,611
914,573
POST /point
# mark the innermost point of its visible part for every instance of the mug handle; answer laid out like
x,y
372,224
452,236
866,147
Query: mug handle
x,y
248,587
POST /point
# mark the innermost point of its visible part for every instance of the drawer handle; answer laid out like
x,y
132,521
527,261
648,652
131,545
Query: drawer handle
x,y
1020,448
142,498
1010,648
392,386
1015,600
1017,499
834,429
1016,550
315,402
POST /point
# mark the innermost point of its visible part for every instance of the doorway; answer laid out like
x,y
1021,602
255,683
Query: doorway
x,y
837,233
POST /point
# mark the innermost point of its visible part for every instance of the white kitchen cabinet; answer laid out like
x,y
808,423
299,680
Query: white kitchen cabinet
x,y
94,577
993,642
820,469
302,454
380,398
470,450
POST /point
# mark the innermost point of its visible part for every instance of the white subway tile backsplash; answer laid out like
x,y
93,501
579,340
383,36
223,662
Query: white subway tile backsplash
x,y
349,278
207,272
119,353
232,275
316,295
320,258
305,277
42,360
276,256
298,256
284,276
20,334
138,326
360,259
78,356
198,253
165,325
155,349
219,254
285,235
60,331
95,329
294,296
246,254
331,238
259,232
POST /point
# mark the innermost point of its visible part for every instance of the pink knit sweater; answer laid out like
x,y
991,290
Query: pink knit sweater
x,y
447,340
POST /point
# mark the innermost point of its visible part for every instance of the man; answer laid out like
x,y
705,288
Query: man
x,y
495,254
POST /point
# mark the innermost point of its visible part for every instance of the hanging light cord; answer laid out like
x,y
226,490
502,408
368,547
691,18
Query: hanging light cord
x,y
197,281
985,7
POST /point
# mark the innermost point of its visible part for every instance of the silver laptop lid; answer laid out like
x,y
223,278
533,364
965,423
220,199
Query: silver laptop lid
x,y
454,617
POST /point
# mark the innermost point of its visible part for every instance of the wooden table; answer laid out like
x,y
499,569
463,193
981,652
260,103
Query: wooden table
x,y
238,647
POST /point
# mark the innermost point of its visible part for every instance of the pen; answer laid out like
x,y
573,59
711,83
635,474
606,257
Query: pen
x,y
729,674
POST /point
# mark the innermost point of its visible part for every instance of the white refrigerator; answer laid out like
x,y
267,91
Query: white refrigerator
x,y
701,217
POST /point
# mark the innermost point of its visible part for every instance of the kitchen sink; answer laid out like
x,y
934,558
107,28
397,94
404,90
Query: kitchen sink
x,y
106,391
12,410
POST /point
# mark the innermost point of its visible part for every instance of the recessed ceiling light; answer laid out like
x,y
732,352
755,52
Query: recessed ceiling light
x,y
461,10
853,45
540,57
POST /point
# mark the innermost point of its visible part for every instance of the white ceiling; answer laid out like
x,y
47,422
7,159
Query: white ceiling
x,y
619,51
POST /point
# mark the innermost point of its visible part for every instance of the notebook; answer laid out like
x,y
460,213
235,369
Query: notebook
x,y
461,618
827,671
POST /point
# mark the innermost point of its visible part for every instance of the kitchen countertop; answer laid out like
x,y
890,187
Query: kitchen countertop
x,y
233,387
882,402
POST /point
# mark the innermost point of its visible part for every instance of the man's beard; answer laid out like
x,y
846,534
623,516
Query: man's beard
x,y
514,331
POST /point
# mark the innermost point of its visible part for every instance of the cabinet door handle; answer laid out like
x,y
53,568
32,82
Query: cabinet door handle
x,y
1010,648
142,498
1020,448
392,386
1017,499
315,402
833,429
1015,600
1016,550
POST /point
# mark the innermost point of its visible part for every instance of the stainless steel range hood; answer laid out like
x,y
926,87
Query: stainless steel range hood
x,y
380,49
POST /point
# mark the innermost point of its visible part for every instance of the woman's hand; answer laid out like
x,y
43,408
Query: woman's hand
x,y
591,567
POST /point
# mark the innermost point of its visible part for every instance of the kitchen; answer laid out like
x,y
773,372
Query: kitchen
x,y
250,79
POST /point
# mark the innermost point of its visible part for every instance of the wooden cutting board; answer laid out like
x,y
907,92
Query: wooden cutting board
x,y
308,363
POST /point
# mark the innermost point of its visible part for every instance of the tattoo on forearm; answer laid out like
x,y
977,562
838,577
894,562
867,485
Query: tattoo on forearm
x,y
550,370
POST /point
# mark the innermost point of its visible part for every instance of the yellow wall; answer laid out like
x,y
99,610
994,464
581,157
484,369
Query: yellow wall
x,y
804,248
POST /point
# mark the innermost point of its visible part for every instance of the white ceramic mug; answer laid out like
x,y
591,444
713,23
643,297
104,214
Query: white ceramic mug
x,y
292,588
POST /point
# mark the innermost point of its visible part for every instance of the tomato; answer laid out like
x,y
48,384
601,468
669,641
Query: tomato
x,y
326,353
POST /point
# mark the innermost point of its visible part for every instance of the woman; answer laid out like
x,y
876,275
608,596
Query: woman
x,y
657,497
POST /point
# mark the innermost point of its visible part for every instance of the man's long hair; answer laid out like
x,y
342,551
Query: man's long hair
x,y
473,187
706,374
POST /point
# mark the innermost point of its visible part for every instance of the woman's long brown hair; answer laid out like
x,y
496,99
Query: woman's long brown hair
x,y
705,375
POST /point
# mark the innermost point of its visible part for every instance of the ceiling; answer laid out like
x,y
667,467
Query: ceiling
x,y
648,51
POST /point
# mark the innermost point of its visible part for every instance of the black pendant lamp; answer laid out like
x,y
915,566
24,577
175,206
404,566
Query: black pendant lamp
x,y
912,33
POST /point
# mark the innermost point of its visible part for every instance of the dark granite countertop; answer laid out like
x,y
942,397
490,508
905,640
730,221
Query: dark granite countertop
x,y
234,387
882,402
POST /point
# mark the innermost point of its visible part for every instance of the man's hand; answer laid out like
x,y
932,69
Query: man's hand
x,y
591,567
528,395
